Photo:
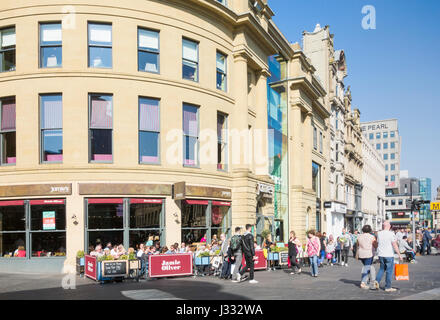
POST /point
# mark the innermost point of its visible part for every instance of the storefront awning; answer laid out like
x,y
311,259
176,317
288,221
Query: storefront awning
x,y
221,203
105,201
133,201
202,202
11,203
46,202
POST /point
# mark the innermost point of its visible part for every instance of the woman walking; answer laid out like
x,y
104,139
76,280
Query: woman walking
x,y
293,245
330,249
313,248
366,242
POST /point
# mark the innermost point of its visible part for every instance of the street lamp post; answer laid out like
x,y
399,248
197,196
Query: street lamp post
x,y
413,220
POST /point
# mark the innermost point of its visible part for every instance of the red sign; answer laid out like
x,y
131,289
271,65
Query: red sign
x,y
170,265
260,262
90,267
105,201
47,201
11,203
137,200
221,203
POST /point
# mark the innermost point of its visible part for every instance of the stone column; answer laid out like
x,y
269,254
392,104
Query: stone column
x,y
260,143
308,147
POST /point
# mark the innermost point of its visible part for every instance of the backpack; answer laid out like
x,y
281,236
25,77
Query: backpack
x,y
235,243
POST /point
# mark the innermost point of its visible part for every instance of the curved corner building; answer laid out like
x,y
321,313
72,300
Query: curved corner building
x,y
125,120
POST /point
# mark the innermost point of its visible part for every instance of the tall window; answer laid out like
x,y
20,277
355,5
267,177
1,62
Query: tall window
x,y
385,156
371,136
222,142
393,167
316,179
337,112
377,146
385,145
320,142
190,135
393,145
100,45
393,177
50,45
337,153
315,139
7,131
7,49
149,130
12,229
221,71
386,167
392,134
393,156
100,127
148,50
51,125
190,60
378,135
385,135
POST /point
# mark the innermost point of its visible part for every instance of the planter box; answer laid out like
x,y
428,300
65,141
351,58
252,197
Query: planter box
x,y
80,265
273,256
202,261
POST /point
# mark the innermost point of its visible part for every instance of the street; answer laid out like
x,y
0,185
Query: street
x,y
333,283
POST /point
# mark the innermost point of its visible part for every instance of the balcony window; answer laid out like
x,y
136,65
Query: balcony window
x,y
7,49
149,130
100,45
190,61
51,117
221,71
50,45
148,50
100,128
7,131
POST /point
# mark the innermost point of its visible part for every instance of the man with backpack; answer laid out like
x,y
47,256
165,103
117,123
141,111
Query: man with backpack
x,y
235,247
247,245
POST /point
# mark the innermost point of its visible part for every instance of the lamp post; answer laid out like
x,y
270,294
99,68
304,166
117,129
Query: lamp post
x,y
413,219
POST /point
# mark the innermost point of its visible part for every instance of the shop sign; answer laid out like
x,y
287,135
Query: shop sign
x,y
30,190
260,262
327,205
265,188
169,265
90,267
435,206
48,220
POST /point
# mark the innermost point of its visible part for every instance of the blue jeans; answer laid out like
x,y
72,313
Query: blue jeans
x,y
367,262
314,265
386,265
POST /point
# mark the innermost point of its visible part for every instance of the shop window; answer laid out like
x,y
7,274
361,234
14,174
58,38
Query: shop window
x,y
101,128
190,60
190,135
194,220
221,71
51,115
148,50
100,45
7,131
149,130
146,217
48,228
220,218
222,142
12,229
50,45
7,49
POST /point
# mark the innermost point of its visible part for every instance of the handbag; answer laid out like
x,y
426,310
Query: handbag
x,y
401,272
329,255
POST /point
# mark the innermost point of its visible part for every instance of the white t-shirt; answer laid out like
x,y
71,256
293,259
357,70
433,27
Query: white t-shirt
x,y
385,239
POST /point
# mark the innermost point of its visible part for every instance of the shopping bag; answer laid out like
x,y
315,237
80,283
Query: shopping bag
x,y
232,268
401,272
216,262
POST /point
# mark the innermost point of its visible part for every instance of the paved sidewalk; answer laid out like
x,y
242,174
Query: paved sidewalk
x,y
333,283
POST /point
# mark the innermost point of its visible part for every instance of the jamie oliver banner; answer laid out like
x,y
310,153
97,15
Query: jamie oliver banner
x,y
90,267
260,263
169,265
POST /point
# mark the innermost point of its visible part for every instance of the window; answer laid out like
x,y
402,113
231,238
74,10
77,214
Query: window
x,y
222,141
221,71
393,156
12,229
7,131
100,127
223,2
51,126
386,167
316,179
100,45
393,177
385,135
149,130
315,139
400,202
393,167
386,202
392,134
385,145
393,145
393,202
190,135
385,156
7,49
190,60
371,136
148,50
378,135
146,220
386,178
320,142
377,146
337,154
337,113
50,45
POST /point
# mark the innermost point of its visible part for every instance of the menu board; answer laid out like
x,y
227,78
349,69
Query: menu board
x,y
114,268
48,220
284,257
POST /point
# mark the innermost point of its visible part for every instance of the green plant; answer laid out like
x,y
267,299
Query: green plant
x,y
204,254
132,256
217,252
80,254
123,257
265,233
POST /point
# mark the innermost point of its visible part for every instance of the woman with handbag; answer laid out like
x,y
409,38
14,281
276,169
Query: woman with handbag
x,y
366,242
293,245
313,249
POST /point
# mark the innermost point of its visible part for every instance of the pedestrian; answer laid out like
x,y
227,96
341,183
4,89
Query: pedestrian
x,y
426,244
237,253
345,242
387,245
323,243
365,245
313,248
330,249
247,245
337,257
224,254
406,249
354,238
293,245
268,245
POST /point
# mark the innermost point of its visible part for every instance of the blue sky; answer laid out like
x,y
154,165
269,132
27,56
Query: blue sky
x,y
393,71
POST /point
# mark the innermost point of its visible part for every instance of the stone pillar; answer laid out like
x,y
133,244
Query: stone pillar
x,y
260,143
296,150
173,221
308,146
